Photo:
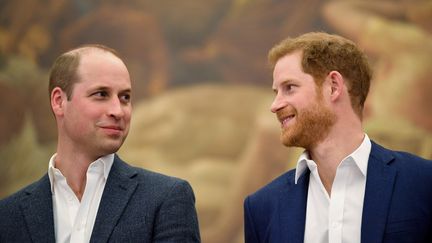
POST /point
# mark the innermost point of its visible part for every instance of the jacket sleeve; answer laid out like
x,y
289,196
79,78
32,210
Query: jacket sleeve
x,y
249,227
176,220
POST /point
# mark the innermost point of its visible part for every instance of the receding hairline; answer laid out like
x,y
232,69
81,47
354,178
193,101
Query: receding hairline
x,y
86,49
64,71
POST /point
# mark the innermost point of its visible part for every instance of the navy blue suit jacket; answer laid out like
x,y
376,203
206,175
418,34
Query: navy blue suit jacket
x,y
136,206
397,203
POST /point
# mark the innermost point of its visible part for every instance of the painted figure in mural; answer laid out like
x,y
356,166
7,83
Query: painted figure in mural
x,y
89,194
398,37
345,188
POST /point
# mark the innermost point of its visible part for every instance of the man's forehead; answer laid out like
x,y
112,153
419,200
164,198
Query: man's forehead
x,y
100,67
287,63
94,60
97,54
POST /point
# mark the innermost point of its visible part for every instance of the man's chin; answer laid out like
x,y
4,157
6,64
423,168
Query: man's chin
x,y
112,147
286,140
293,140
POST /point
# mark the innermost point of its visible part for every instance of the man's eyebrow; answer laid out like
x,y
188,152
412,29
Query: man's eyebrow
x,y
108,87
128,90
99,87
284,82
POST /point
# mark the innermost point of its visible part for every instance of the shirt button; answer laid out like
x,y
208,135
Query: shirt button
x,y
335,225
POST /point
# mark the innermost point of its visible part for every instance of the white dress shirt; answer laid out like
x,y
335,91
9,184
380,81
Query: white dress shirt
x,y
336,219
74,220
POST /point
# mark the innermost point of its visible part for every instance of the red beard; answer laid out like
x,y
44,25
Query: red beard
x,y
309,127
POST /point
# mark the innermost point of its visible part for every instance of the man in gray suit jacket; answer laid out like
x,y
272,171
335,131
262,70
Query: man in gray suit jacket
x,y
89,194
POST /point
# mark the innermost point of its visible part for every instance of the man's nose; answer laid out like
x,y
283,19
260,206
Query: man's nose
x,y
116,108
278,103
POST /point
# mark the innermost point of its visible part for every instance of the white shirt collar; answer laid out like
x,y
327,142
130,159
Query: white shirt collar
x,y
360,156
107,162
301,165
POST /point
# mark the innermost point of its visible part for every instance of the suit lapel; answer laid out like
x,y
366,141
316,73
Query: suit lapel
x,y
118,190
293,209
37,210
379,187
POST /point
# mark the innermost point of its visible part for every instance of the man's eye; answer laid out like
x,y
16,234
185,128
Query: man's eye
x,y
125,98
100,94
289,87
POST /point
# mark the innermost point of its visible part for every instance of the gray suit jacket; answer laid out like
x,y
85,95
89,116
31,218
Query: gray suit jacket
x,y
136,206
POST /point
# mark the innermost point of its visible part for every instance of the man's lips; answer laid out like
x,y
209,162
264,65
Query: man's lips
x,y
112,130
284,120
110,125
113,127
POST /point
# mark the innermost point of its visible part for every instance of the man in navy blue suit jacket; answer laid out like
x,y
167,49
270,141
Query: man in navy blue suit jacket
x,y
345,187
89,194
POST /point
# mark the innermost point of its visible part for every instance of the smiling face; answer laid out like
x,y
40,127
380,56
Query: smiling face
x,y
96,119
299,105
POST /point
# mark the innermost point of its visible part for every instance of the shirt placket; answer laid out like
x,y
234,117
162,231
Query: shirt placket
x,y
337,201
94,175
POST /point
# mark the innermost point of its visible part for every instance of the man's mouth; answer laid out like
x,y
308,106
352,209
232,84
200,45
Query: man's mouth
x,y
113,130
117,128
286,119
110,126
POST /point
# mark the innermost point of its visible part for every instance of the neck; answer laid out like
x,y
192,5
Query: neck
x,y
343,139
73,165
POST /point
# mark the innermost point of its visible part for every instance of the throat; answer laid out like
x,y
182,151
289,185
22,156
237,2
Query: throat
x,y
327,180
78,187
79,194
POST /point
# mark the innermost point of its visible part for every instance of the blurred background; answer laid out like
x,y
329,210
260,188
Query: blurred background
x,y
202,87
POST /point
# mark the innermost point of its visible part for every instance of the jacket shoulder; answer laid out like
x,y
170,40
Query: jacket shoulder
x,y
400,159
159,180
169,204
13,200
152,184
13,227
271,191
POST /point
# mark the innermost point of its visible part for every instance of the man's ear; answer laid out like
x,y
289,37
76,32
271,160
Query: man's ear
x,y
337,84
58,99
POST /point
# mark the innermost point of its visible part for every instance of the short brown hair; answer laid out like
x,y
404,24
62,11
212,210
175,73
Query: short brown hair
x,y
64,70
323,53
